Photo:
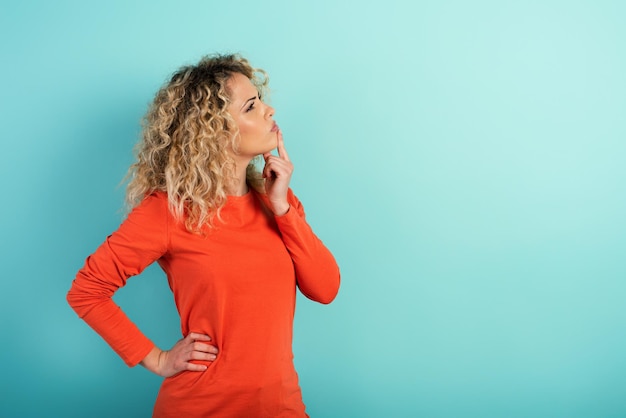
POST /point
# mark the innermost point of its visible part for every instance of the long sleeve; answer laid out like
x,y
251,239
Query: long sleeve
x,y
140,240
317,271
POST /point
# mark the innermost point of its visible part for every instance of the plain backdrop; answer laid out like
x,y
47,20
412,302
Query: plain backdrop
x,y
463,160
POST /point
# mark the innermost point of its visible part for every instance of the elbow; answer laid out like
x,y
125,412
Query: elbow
x,y
81,300
332,292
321,297
73,299
327,299
327,293
70,297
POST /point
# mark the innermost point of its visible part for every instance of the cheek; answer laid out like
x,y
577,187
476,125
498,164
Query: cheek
x,y
245,127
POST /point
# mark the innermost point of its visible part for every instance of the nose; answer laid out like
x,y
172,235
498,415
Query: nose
x,y
269,112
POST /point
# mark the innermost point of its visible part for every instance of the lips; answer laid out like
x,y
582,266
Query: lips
x,y
274,128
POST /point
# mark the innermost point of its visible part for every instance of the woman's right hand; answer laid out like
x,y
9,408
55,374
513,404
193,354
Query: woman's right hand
x,y
168,363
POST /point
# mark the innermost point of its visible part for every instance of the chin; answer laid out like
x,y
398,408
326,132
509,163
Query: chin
x,y
271,146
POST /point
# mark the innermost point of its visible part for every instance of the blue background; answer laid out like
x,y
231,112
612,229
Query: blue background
x,y
464,161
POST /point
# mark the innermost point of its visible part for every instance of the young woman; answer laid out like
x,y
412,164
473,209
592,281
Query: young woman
x,y
233,242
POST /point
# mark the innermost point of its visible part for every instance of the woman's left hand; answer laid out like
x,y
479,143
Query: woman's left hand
x,y
277,173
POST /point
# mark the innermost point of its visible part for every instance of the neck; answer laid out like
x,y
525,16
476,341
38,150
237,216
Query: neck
x,y
240,186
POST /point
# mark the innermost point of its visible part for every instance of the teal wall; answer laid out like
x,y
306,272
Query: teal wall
x,y
464,160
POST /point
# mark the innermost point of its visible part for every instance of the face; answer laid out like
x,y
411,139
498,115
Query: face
x,y
258,133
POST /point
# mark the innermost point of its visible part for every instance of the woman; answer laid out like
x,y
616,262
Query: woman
x,y
233,242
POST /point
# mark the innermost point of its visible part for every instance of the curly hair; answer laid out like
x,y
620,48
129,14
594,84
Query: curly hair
x,y
186,138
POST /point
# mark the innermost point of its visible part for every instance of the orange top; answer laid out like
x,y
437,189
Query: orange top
x,y
235,283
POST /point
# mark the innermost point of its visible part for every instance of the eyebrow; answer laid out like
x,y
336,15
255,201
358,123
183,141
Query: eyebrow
x,y
244,103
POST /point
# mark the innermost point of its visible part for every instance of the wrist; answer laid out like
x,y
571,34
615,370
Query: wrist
x,y
280,209
153,360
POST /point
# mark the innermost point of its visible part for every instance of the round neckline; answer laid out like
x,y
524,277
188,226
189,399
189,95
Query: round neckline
x,y
240,198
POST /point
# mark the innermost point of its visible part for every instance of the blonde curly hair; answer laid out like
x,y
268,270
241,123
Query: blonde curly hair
x,y
187,136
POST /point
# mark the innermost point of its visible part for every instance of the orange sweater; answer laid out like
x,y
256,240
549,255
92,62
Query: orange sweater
x,y
236,283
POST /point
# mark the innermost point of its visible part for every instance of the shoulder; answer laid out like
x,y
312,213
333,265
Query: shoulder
x,y
153,201
153,207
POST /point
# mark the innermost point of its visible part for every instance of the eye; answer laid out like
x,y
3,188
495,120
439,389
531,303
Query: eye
x,y
250,107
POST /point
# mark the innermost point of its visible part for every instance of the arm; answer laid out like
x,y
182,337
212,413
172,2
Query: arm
x,y
139,241
317,272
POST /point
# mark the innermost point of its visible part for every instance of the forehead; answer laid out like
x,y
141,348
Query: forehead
x,y
241,88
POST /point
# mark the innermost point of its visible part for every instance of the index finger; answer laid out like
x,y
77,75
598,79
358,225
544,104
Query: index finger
x,y
282,152
198,337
